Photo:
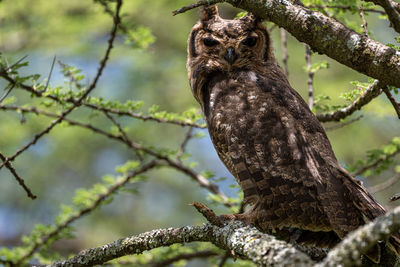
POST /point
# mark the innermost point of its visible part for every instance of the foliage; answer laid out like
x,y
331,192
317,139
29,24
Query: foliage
x,y
140,118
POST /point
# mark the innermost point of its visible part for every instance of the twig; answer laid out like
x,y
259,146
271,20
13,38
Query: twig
x,y
87,210
87,92
203,182
100,108
122,132
396,105
226,256
375,163
310,74
386,184
370,93
343,124
195,5
285,55
351,8
208,214
365,23
49,77
182,147
7,93
19,179
71,75
391,9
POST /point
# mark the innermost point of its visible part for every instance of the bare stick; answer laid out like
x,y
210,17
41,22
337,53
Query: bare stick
x,y
310,74
385,185
182,147
396,105
350,8
365,23
49,77
195,5
285,55
17,177
343,124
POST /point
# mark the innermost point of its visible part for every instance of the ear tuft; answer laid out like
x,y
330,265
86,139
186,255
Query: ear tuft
x,y
209,12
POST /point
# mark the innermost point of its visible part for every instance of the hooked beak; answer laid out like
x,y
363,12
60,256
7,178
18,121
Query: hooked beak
x,y
230,55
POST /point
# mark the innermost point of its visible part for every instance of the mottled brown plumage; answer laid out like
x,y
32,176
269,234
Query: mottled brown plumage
x,y
269,139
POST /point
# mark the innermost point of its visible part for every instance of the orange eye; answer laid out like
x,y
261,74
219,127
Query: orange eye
x,y
250,41
210,42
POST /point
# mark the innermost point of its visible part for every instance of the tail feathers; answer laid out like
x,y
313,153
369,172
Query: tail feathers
x,y
394,243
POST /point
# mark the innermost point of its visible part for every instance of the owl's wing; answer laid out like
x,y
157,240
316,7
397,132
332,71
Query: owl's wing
x,y
283,161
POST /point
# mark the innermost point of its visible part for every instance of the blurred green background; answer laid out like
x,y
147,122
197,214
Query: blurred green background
x,y
70,158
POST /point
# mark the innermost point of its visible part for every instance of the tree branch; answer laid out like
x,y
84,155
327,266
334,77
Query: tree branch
x,y
349,251
43,240
370,93
243,240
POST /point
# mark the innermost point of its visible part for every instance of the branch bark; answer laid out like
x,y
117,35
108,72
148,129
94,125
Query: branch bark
x,y
245,241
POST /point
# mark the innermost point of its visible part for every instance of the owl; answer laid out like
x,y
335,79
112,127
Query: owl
x,y
266,135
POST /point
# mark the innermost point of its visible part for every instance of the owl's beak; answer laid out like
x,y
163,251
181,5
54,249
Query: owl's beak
x,y
230,55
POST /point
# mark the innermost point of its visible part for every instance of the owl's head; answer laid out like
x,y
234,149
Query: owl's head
x,y
226,45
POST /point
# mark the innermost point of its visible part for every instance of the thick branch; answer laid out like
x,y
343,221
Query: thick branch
x,y
348,252
242,240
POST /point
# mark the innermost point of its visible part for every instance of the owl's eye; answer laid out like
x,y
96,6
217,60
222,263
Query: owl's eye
x,y
210,42
250,41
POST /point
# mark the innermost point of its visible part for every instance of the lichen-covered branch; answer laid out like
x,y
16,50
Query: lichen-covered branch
x,y
349,251
244,241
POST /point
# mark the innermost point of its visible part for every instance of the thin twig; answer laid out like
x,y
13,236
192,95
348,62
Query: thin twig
x,y
226,256
122,132
100,108
203,182
17,177
386,184
182,147
310,79
350,8
49,77
343,124
396,105
195,5
375,163
285,55
370,93
87,92
391,9
87,210
365,23
7,93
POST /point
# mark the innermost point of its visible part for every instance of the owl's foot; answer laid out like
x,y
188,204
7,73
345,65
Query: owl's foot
x,y
243,217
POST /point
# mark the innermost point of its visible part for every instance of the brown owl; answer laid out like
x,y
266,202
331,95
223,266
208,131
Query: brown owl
x,y
269,139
